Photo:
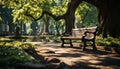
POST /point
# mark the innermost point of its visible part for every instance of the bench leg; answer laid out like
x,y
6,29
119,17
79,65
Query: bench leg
x,y
84,45
62,45
71,45
94,46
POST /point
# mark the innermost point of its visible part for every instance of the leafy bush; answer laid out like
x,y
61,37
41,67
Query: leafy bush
x,y
113,42
19,44
27,46
55,38
10,55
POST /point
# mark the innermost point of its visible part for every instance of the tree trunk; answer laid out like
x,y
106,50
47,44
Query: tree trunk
x,y
112,24
24,28
70,15
11,28
109,16
57,28
34,27
46,26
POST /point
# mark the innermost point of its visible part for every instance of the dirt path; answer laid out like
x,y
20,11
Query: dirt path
x,y
76,58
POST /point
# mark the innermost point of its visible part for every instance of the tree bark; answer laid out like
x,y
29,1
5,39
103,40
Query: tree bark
x,y
34,27
70,15
109,16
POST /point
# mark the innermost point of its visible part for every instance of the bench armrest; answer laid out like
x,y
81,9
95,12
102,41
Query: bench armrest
x,y
88,32
89,35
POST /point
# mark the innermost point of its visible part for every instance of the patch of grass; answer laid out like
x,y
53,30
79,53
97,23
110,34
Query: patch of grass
x,y
13,52
11,55
18,44
54,38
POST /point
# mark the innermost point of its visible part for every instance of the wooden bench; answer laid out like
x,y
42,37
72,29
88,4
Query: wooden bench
x,y
84,34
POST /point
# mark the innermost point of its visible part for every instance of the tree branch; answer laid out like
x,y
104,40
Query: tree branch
x,y
48,13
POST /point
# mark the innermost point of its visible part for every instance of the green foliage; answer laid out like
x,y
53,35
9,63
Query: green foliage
x,y
59,7
55,38
34,8
21,7
27,46
18,44
82,9
85,11
11,55
87,14
29,8
112,42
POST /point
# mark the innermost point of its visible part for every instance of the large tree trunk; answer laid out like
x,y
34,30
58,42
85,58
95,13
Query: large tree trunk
x,y
109,18
111,24
70,15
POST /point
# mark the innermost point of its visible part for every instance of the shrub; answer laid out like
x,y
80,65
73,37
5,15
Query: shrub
x,y
10,55
113,42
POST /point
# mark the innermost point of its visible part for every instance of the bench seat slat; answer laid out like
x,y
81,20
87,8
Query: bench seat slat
x,y
71,38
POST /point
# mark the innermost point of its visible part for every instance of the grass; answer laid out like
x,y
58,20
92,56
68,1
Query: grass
x,y
113,42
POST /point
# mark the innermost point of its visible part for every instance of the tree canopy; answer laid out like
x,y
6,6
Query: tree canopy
x,y
28,10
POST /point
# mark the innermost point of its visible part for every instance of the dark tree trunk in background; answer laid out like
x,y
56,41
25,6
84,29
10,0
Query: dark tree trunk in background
x,y
17,30
34,27
46,26
7,19
11,28
57,28
109,16
24,29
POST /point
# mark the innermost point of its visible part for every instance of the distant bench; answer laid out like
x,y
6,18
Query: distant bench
x,y
84,34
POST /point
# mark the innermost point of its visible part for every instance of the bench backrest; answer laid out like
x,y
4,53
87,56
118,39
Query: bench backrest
x,y
78,32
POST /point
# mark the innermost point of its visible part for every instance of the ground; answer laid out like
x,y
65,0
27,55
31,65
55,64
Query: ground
x,y
77,59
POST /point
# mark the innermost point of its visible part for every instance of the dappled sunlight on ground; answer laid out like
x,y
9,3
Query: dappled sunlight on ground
x,y
75,56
